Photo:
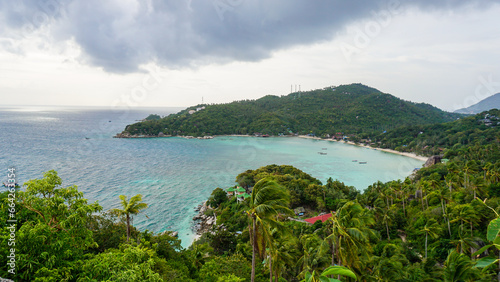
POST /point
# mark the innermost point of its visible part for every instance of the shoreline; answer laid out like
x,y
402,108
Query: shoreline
x,y
405,154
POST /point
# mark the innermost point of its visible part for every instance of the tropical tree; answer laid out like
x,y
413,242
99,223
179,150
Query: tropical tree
x,y
52,233
443,194
450,179
312,258
130,207
458,267
281,256
200,254
432,229
331,270
463,244
350,235
493,235
477,186
267,201
405,189
386,215
464,214
390,265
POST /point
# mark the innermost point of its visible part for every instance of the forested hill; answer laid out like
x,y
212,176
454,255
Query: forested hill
x,y
349,109
433,139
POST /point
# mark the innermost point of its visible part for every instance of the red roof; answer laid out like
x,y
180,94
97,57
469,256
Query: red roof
x,y
323,218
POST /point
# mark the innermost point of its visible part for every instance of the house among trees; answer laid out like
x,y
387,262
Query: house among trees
x,y
242,197
299,211
230,191
323,218
240,191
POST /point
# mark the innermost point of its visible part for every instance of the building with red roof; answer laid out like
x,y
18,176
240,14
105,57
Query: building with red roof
x,y
323,218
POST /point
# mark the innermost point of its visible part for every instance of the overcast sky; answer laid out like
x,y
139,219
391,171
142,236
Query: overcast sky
x,y
176,53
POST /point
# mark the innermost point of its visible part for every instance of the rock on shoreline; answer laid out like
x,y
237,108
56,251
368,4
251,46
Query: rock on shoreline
x,y
128,135
202,222
160,135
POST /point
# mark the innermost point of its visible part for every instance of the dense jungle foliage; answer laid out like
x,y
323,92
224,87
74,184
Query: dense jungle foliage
x,y
432,139
350,109
440,224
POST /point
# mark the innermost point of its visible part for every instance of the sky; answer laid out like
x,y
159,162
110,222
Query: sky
x,y
152,53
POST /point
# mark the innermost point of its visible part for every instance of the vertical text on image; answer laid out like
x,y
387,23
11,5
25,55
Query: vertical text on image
x,y
11,220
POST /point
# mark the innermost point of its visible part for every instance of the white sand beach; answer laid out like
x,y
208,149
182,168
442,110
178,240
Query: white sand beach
x,y
410,155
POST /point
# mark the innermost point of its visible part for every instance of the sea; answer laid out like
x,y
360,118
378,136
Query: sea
x,y
174,175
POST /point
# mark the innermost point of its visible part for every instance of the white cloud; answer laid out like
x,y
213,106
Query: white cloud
x,y
89,52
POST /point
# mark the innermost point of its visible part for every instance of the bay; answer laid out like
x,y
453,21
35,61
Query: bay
x,y
173,174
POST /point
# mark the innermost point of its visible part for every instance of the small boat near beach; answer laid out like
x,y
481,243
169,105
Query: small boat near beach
x,y
16,185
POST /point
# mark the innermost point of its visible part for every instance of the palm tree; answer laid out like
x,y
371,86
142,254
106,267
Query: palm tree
x,y
312,257
131,207
458,267
467,244
405,188
350,234
477,185
331,270
424,186
486,171
465,213
386,216
450,179
280,253
200,253
432,229
390,264
268,199
443,194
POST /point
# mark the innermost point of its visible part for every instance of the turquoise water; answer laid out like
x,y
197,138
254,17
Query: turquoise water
x,y
173,174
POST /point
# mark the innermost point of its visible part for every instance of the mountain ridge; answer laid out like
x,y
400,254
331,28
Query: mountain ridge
x,y
489,103
350,109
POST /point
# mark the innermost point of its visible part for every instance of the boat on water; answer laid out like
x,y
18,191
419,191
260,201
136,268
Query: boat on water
x,y
16,185
362,162
321,153
354,161
265,135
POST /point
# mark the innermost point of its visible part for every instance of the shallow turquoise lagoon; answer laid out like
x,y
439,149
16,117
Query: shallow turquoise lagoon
x,y
173,174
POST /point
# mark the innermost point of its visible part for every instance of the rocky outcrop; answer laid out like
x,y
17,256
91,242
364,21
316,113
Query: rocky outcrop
x,y
202,222
170,233
433,160
128,135
160,135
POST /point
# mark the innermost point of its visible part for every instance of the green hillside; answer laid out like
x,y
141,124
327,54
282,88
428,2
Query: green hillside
x,y
351,109
480,129
492,102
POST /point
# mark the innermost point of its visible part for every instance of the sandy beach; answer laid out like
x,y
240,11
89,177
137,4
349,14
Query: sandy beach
x,y
410,155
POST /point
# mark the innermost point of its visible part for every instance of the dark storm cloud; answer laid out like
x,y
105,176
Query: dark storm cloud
x,y
120,35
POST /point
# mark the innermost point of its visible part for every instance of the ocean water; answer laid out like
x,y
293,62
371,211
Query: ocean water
x,y
174,175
